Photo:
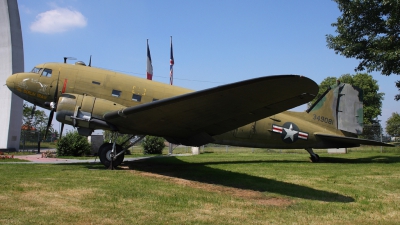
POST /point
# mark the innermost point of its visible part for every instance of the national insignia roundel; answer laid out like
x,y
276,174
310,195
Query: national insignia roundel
x,y
290,132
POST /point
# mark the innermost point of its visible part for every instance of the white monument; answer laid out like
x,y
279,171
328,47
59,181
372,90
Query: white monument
x,y
11,61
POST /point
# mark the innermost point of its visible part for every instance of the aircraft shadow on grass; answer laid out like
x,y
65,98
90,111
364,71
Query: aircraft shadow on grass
x,y
383,159
200,172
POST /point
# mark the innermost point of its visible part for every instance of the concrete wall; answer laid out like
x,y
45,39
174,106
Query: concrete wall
x,y
96,141
11,61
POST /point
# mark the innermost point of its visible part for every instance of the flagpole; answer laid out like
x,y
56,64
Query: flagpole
x,y
171,65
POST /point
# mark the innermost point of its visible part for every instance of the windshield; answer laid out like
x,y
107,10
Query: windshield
x,y
36,70
46,72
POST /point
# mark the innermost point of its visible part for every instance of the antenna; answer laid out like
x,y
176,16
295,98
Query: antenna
x,y
70,58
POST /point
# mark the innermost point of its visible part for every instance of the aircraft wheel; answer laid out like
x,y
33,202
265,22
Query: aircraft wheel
x,y
314,158
105,158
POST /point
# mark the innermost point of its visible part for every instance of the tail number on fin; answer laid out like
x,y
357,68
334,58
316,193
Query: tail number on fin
x,y
323,119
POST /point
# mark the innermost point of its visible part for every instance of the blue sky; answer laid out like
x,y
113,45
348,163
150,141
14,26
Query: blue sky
x,y
215,42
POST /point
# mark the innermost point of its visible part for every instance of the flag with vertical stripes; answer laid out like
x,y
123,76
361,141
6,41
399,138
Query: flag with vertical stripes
x,y
171,66
149,69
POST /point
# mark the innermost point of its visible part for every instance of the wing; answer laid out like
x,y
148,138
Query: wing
x,y
195,117
350,141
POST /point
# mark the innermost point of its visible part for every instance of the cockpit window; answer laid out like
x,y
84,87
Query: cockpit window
x,y
46,72
36,70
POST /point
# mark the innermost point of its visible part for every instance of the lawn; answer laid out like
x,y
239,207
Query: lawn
x,y
211,188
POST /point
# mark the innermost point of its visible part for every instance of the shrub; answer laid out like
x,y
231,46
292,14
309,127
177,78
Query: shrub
x,y
73,144
153,145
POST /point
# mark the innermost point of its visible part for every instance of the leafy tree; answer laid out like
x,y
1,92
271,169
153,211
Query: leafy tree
x,y
121,138
153,145
73,144
38,120
393,125
372,99
369,30
323,86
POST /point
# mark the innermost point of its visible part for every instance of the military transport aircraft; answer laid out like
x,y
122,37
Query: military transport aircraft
x,y
250,113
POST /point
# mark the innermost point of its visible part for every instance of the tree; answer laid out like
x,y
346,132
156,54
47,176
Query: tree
x,y
153,145
121,138
323,86
369,30
73,144
393,125
372,99
38,120
35,122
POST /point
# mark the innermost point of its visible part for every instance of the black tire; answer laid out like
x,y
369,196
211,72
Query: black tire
x,y
104,155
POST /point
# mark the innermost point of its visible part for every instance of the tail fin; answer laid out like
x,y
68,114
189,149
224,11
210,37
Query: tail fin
x,y
340,107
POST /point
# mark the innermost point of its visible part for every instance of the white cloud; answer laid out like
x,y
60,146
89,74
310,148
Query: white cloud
x,y
58,20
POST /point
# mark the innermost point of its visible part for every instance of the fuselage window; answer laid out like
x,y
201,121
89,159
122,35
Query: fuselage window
x,y
116,93
136,98
46,72
96,82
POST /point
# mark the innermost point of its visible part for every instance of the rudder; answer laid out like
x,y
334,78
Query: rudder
x,y
340,107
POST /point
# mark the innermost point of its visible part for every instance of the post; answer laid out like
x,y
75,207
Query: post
x,y
23,146
38,150
170,149
381,139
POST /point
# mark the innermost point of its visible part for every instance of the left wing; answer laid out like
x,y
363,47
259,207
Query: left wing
x,y
193,118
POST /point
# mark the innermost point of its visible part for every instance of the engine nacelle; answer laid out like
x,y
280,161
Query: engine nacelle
x,y
85,112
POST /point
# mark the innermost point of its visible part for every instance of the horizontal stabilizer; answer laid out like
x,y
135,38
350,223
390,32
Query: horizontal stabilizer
x,y
350,140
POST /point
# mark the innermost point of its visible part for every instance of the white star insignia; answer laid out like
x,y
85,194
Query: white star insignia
x,y
290,132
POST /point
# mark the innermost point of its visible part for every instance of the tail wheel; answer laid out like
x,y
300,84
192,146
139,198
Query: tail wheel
x,y
105,155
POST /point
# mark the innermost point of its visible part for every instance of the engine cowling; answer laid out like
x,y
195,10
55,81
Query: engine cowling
x,y
85,112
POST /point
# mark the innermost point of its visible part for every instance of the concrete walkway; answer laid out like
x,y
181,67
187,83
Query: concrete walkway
x,y
37,158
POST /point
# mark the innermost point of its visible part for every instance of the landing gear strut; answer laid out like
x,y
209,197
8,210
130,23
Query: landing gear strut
x,y
112,155
314,157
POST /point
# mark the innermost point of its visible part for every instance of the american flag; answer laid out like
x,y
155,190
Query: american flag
x,y
171,66
149,65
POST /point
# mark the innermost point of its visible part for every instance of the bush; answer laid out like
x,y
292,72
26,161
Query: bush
x,y
73,145
153,145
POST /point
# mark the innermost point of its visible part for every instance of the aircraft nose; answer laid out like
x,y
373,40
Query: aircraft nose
x,y
11,81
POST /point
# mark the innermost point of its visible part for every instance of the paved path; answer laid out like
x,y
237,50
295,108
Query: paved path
x,y
37,158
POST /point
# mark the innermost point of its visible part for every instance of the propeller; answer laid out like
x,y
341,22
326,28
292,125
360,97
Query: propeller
x,y
33,111
53,107
61,130
90,61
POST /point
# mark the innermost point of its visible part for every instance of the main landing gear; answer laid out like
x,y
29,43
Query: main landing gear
x,y
112,154
314,157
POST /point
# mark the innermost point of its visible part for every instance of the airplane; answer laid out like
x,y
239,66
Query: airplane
x,y
249,113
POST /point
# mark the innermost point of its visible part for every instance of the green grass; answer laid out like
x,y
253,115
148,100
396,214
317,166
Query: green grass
x,y
211,188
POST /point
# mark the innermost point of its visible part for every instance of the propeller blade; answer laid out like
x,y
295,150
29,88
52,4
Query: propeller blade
x,y
62,128
90,61
53,106
56,91
49,123
33,111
